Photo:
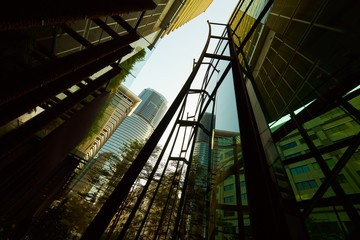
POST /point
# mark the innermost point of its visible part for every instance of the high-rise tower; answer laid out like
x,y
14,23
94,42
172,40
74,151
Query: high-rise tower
x,y
139,125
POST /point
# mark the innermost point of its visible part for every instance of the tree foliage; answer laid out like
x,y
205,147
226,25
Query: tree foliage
x,y
106,179
113,85
126,67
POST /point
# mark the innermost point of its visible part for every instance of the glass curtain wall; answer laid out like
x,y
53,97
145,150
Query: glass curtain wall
x,y
305,85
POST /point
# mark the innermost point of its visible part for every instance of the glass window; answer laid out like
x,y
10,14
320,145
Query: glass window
x,y
288,146
330,162
230,177
300,169
229,199
243,196
228,187
315,165
242,183
306,185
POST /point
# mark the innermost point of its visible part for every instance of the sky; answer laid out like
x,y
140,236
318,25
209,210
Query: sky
x,y
170,63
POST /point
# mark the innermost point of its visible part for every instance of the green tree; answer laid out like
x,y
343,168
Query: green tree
x,y
113,85
108,177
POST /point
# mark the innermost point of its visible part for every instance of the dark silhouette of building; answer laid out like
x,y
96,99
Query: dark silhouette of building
x,y
50,96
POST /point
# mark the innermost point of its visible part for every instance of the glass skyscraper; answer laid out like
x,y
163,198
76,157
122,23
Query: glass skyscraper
x,y
139,125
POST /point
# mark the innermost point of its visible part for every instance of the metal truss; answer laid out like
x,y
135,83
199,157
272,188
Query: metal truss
x,y
268,210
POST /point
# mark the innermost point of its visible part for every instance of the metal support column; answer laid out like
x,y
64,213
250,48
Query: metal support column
x,y
104,216
267,217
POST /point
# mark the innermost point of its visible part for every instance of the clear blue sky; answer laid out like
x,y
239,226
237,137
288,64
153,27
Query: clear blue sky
x,y
170,63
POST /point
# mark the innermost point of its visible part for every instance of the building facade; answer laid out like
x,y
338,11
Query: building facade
x,y
122,105
305,105
47,60
138,126
141,123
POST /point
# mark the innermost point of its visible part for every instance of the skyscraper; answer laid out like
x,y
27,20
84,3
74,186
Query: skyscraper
x,y
139,125
202,142
47,60
123,104
294,63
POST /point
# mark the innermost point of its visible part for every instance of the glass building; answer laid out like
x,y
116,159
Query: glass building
x,y
139,125
292,169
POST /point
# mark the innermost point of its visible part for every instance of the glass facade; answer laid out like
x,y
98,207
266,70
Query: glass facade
x,y
135,126
227,217
308,108
292,169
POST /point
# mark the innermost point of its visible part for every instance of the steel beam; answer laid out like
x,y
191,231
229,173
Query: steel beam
x,y
349,208
331,179
267,218
104,216
40,13
33,98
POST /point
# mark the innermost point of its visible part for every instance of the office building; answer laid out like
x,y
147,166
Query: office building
x,y
202,142
301,82
47,60
138,126
141,123
122,105
294,64
188,11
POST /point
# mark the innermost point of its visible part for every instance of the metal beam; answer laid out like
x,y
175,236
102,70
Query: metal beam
x,y
349,208
266,218
125,25
221,57
83,41
35,93
104,216
331,178
13,139
42,13
106,28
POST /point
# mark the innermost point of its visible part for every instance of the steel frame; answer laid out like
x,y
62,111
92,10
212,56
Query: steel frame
x,y
267,219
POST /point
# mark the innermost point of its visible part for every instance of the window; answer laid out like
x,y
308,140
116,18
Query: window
x,y
330,162
229,199
298,170
336,129
293,155
242,183
229,213
230,177
315,166
288,146
228,187
306,185
243,196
